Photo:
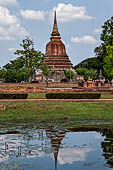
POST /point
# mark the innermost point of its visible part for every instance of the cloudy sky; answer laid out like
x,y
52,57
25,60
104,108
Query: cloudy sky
x,y
79,23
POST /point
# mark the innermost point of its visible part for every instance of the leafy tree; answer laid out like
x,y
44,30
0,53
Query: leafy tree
x,y
46,71
109,40
69,75
107,29
108,66
23,67
90,63
2,74
31,57
87,73
101,51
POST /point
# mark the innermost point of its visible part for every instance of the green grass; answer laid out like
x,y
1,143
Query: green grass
x,y
36,96
107,95
56,111
49,111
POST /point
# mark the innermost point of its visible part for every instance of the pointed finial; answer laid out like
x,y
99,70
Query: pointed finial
x,y
55,158
55,27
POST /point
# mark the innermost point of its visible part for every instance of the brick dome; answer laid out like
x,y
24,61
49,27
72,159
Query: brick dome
x,y
55,47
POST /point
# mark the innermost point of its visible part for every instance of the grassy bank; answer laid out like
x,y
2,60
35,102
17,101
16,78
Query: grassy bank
x,y
56,111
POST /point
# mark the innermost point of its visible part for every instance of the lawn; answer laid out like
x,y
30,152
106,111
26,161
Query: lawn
x,y
49,111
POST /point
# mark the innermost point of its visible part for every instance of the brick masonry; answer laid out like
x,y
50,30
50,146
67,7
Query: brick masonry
x,y
52,87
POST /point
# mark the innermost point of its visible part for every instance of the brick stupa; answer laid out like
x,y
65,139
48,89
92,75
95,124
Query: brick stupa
x,y
55,56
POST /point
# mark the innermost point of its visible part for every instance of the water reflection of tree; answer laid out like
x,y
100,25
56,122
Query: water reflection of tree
x,y
107,146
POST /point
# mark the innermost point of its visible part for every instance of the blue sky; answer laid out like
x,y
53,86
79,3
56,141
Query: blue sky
x,y
79,23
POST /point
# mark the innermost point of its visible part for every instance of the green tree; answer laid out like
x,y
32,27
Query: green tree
x,y
23,67
2,74
108,66
101,51
107,29
69,75
47,71
90,63
87,73
32,58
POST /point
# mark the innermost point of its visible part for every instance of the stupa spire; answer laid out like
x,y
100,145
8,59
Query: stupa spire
x,y
55,158
55,27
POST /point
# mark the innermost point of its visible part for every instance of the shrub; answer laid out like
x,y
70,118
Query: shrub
x,y
73,95
13,95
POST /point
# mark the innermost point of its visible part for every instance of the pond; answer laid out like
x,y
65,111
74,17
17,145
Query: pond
x,y
30,147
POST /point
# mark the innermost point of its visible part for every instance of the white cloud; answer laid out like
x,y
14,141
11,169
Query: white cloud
x,y
32,14
68,12
8,2
6,18
86,39
10,26
71,155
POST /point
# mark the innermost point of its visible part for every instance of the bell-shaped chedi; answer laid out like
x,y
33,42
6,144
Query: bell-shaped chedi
x,y
55,56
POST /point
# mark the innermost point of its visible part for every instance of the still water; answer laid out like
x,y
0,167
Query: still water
x,y
28,147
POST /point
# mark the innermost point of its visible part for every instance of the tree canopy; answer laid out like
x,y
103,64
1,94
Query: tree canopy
x,y
87,73
90,63
103,60
23,67
101,51
69,74
108,66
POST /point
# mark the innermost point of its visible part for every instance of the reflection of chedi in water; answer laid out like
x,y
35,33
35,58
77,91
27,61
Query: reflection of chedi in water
x,y
42,144
56,138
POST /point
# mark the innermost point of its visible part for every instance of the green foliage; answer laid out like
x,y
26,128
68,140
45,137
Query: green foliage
x,y
100,53
45,69
108,67
13,96
12,73
73,95
87,73
32,58
107,30
109,40
23,67
103,60
91,63
69,74
106,36
2,74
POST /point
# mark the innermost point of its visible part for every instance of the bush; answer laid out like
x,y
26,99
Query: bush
x,y
73,95
13,95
